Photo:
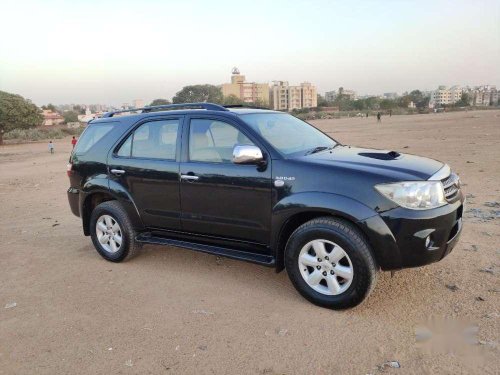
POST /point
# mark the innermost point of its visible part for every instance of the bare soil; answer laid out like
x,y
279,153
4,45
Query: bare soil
x,y
173,311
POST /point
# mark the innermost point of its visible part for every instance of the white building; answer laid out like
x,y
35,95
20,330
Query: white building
x,y
285,97
445,96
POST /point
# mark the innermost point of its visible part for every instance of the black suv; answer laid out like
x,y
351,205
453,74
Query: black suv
x,y
266,187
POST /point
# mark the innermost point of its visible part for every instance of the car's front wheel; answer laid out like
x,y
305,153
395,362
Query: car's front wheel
x,y
330,263
112,232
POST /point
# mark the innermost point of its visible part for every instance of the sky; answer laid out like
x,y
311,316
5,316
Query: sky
x,y
111,52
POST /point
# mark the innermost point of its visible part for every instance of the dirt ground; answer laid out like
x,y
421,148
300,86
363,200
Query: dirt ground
x,y
173,311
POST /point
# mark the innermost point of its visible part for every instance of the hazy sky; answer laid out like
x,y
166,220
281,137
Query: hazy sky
x,y
111,52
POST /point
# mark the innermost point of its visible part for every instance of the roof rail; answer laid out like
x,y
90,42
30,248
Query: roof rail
x,y
244,106
207,106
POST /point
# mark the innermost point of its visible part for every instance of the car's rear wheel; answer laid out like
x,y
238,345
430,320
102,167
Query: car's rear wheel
x,y
112,232
330,263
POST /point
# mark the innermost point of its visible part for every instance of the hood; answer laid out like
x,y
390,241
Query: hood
x,y
400,167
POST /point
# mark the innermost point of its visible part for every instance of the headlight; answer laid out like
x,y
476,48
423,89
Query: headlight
x,y
416,195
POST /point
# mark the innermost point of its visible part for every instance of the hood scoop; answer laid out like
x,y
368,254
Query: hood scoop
x,y
391,155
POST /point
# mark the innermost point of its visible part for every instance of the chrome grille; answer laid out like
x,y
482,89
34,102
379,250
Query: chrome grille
x,y
451,186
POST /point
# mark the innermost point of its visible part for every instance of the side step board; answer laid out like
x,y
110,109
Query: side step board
x,y
265,260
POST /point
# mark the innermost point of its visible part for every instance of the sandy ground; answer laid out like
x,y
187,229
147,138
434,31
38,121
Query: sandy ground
x,y
173,311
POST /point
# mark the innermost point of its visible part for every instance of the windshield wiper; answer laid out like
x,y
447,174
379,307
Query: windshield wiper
x,y
318,149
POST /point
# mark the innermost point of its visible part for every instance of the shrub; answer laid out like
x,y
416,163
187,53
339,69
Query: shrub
x,y
39,134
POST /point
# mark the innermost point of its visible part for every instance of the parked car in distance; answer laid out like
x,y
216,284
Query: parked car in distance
x,y
265,187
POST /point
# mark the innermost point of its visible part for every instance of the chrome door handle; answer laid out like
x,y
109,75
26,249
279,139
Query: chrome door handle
x,y
117,172
189,177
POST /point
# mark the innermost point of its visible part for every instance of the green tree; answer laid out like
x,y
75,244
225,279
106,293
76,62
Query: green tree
x,y
464,101
322,101
78,109
70,116
387,104
199,93
404,101
160,102
420,100
17,112
50,107
232,100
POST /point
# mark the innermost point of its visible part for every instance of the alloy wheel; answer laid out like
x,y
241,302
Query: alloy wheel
x,y
325,267
109,233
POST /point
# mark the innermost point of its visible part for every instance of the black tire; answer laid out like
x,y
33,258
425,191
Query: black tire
x,y
352,242
129,246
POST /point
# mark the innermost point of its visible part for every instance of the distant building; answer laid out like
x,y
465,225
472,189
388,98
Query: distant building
x,y
480,96
87,116
445,96
330,96
248,92
484,96
286,98
390,95
51,118
350,94
138,103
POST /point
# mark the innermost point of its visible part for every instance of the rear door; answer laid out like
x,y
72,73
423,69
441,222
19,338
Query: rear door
x,y
220,198
146,164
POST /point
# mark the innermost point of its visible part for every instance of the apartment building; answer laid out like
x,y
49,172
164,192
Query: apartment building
x,y
350,94
286,98
444,95
248,92
484,96
330,96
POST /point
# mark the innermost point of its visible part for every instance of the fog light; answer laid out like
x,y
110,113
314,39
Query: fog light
x,y
428,241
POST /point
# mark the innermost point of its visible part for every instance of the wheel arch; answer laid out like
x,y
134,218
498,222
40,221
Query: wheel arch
x,y
99,194
293,211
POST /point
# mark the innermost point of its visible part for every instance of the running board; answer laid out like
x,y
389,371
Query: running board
x,y
265,260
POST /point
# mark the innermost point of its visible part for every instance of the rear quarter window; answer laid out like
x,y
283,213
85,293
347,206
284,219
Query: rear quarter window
x,y
93,134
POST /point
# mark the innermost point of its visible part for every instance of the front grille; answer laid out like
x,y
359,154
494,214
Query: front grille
x,y
451,186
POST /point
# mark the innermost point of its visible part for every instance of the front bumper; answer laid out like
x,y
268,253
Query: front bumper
x,y
426,236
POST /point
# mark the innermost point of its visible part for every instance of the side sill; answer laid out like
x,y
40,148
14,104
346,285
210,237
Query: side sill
x,y
265,260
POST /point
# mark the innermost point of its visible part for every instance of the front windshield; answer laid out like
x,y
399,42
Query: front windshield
x,y
289,135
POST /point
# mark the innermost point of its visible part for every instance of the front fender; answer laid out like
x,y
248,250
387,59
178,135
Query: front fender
x,y
366,219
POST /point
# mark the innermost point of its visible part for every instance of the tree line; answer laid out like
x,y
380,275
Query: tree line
x,y
205,93
18,112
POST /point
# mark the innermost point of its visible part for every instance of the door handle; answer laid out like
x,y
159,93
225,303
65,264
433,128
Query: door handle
x,y
117,172
189,177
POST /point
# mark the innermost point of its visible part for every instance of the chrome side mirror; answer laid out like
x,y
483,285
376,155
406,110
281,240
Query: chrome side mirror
x,y
247,154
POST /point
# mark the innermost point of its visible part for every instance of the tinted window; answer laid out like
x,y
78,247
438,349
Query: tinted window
x,y
152,140
213,141
126,148
91,136
288,134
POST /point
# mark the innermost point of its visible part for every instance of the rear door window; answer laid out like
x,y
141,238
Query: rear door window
x,y
152,140
91,136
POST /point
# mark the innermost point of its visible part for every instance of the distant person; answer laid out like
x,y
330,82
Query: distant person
x,y
390,114
379,117
51,147
366,114
73,141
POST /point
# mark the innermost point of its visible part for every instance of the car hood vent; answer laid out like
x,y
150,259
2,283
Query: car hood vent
x,y
391,155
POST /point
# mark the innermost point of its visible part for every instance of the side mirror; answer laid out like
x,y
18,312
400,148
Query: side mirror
x,y
247,154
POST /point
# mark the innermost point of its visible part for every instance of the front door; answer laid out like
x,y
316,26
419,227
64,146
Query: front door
x,y
218,197
146,165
